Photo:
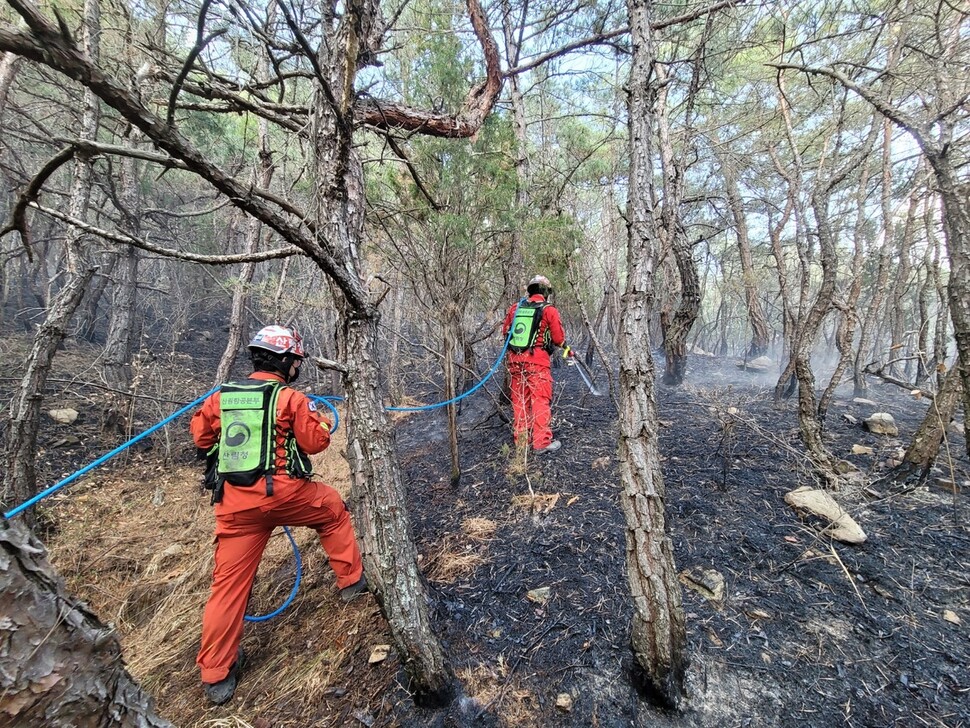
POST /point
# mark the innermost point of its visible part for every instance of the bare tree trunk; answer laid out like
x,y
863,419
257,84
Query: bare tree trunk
x,y
675,340
956,224
940,338
122,329
263,177
60,666
787,314
594,341
898,313
809,422
756,315
20,477
658,633
9,65
513,32
925,445
848,320
882,271
926,288
390,557
449,343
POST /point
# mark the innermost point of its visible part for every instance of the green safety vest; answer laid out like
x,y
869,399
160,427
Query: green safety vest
x,y
525,326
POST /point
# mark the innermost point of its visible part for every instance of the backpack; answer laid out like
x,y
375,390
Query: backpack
x,y
525,326
246,450
247,441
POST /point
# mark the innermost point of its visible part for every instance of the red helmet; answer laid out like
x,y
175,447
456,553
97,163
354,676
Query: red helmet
x,y
279,340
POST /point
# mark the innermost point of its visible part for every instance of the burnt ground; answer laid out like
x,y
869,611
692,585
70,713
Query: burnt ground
x,y
809,632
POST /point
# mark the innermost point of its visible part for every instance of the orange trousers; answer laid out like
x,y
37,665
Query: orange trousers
x,y
530,388
240,540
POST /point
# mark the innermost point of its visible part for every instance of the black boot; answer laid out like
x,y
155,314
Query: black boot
x,y
221,692
349,593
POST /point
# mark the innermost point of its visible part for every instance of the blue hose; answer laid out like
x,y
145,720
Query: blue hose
x,y
90,466
296,583
324,399
474,389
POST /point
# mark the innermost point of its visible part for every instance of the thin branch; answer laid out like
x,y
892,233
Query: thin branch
x,y
396,148
602,38
897,116
317,71
45,45
125,239
18,217
466,123
201,41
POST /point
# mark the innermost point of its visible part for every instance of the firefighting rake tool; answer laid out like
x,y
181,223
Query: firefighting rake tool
x,y
584,375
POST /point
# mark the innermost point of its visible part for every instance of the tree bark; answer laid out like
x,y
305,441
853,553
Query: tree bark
x,y
925,445
758,345
900,345
658,633
864,351
956,224
20,477
675,338
60,667
848,320
390,557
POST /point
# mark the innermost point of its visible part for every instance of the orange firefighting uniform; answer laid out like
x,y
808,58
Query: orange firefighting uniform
x,y
530,374
246,517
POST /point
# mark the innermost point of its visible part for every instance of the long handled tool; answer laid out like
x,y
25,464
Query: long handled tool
x,y
584,374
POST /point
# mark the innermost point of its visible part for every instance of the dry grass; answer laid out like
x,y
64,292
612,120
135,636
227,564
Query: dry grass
x,y
494,686
460,555
536,502
479,529
136,544
453,560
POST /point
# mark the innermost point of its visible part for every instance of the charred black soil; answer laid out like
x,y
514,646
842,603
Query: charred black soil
x,y
809,631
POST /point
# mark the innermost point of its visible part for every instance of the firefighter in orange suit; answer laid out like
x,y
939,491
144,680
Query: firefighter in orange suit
x,y
536,328
258,434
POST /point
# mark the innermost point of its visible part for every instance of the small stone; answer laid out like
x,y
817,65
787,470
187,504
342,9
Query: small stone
x,y
378,653
951,616
850,419
64,416
861,450
564,701
540,595
706,582
863,400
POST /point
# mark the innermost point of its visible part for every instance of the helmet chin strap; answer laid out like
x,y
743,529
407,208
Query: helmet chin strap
x,y
288,361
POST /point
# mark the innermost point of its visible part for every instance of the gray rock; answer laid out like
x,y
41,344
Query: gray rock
x,y
64,416
842,527
882,423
